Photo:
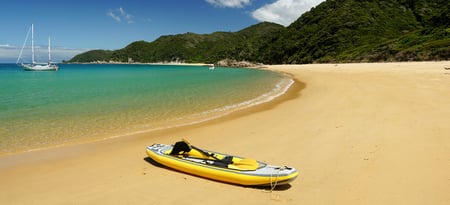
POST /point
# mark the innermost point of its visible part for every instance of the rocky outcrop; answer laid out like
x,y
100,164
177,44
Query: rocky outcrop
x,y
235,63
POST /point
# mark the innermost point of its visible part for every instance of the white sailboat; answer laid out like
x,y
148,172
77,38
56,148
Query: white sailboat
x,y
34,66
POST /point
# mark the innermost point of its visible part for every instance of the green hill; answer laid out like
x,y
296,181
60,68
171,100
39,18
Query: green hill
x,y
92,56
384,30
334,31
191,47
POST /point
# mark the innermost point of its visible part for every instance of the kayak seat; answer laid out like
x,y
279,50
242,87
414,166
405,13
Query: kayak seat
x,y
196,153
180,148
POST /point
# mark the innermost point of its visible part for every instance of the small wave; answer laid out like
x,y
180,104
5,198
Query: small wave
x,y
279,89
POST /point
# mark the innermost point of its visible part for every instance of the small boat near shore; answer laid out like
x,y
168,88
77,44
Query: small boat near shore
x,y
184,157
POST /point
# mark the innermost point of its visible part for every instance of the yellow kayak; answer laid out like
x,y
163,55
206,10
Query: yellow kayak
x,y
221,167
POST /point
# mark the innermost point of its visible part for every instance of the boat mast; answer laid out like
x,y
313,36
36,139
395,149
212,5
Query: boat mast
x,y
49,57
32,43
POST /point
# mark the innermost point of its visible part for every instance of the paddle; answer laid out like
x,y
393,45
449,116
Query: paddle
x,y
243,164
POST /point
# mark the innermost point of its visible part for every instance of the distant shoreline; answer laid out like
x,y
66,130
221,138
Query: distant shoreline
x,y
221,63
240,64
137,63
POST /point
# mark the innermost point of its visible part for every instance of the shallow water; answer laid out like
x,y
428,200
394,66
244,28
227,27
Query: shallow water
x,y
90,102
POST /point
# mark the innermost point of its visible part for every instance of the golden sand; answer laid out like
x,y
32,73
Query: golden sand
x,y
358,134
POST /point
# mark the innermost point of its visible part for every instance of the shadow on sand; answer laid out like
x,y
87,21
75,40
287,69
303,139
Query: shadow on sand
x,y
283,187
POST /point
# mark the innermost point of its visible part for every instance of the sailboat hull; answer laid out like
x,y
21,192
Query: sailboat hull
x,y
50,67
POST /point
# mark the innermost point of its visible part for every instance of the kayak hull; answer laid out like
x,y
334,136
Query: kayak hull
x,y
263,175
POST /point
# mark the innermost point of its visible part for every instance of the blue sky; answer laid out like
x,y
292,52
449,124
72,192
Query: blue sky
x,y
76,26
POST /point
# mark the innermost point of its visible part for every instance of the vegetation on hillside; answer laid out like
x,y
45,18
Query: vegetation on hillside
x,y
92,56
191,47
344,30
334,31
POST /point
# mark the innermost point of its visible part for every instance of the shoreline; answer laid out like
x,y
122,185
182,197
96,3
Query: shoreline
x,y
280,89
357,133
12,159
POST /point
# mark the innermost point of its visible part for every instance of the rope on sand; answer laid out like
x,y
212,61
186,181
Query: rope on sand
x,y
274,180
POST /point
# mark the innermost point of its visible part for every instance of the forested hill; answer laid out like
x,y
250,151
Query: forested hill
x,y
334,31
191,47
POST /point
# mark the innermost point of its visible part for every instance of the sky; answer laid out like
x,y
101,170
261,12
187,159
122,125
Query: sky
x,y
76,26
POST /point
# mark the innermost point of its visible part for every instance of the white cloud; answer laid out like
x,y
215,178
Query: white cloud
x,y
119,14
9,53
113,16
284,12
229,3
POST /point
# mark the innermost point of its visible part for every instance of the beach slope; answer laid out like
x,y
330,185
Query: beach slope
x,y
358,134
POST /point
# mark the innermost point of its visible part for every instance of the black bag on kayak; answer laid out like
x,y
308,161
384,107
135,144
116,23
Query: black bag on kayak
x,y
180,147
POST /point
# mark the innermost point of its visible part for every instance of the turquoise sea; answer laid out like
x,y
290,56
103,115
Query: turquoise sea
x,y
81,103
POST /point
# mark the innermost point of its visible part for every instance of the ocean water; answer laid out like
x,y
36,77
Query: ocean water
x,y
81,103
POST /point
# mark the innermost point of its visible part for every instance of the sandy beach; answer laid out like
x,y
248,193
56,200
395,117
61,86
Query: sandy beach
x,y
375,133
